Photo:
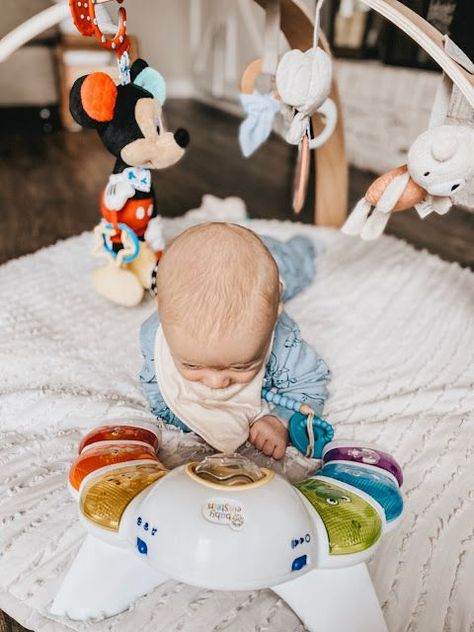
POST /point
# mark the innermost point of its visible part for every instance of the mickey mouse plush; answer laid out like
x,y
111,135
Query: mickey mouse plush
x,y
128,120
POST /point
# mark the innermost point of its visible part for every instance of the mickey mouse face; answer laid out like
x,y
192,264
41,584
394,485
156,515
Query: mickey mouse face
x,y
128,118
157,149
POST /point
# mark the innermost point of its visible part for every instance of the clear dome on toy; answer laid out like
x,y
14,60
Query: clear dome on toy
x,y
228,470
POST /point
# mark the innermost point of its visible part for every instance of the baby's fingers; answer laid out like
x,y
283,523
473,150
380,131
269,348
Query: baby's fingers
x,y
268,447
279,451
253,434
258,440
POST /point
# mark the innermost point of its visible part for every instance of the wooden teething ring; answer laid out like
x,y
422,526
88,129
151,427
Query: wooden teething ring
x,y
249,76
85,20
248,81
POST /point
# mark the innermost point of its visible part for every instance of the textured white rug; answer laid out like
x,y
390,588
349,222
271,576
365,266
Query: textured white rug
x,y
397,328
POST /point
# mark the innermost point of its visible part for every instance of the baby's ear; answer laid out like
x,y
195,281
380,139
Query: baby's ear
x,y
92,99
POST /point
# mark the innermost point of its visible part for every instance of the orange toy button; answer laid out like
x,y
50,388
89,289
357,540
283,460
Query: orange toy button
x,y
101,455
120,433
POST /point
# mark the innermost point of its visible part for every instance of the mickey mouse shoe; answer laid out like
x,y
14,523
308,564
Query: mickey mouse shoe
x,y
117,285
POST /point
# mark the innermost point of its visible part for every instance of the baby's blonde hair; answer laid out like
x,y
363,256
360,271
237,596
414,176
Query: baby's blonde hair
x,y
216,277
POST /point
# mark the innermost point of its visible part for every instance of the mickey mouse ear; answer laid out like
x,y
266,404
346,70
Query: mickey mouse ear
x,y
152,81
98,97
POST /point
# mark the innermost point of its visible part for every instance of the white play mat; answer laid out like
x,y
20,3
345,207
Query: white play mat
x,y
397,329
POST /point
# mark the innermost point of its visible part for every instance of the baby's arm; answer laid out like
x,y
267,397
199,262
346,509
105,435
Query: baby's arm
x,y
295,369
147,375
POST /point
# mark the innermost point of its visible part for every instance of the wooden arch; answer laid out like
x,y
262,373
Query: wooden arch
x,y
331,177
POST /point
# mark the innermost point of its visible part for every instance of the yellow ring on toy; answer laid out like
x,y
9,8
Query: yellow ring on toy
x,y
267,477
105,497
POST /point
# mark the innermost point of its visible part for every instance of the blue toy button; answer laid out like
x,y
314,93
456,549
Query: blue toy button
x,y
299,563
142,547
323,433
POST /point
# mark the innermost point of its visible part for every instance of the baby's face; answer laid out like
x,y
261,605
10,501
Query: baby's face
x,y
234,359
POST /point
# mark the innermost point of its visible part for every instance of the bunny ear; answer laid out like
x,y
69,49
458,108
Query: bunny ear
x,y
93,99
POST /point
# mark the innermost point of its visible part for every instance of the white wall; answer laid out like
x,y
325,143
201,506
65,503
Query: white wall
x,y
162,27
166,41
177,48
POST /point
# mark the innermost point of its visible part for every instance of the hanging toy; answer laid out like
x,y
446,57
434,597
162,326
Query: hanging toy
x,y
440,163
257,88
86,16
128,119
303,82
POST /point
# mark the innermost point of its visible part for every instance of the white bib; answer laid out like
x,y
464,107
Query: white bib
x,y
223,416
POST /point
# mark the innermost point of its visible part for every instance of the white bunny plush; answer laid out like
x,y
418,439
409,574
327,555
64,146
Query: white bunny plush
x,y
440,163
303,81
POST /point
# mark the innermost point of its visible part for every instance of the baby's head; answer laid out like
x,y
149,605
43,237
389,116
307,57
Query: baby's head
x,y
218,294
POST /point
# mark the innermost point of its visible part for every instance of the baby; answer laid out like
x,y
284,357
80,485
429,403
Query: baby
x,y
220,335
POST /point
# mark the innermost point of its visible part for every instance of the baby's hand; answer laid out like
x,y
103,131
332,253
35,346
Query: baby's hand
x,y
269,435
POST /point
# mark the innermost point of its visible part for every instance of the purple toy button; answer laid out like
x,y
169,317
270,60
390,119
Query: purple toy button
x,y
366,456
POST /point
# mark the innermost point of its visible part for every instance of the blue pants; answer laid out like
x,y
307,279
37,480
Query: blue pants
x,y
295,261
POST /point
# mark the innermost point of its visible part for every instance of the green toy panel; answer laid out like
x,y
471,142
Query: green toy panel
x,y
352,524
